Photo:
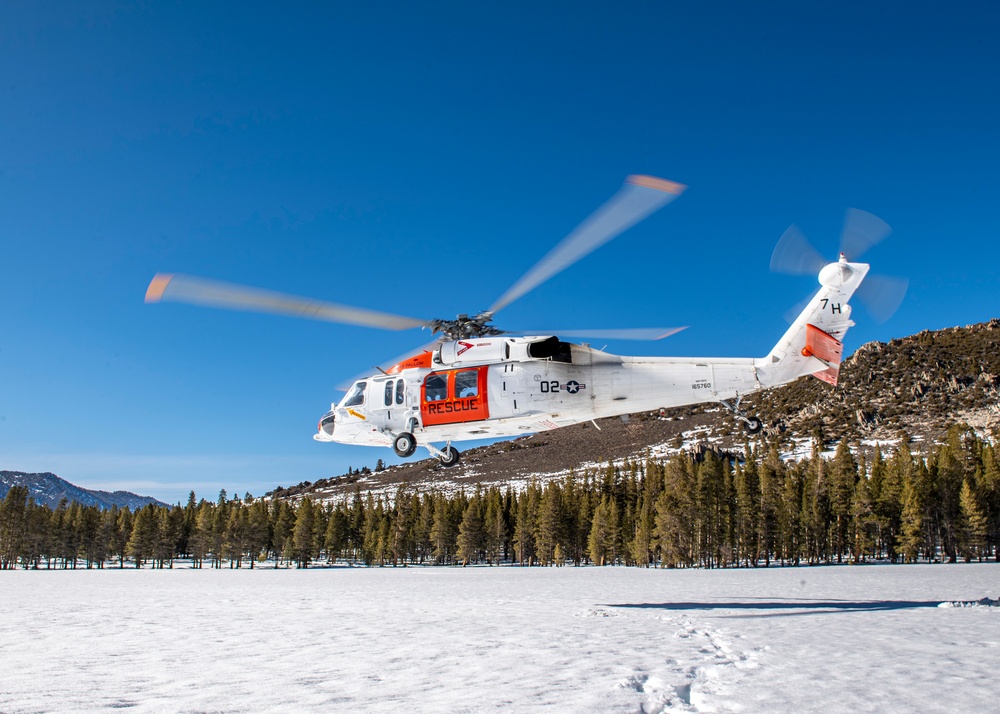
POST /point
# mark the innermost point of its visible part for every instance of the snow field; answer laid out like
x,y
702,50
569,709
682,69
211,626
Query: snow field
x,y
483,639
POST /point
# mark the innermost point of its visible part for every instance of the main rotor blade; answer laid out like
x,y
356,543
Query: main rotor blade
x,y
215,293
634,333
862,231
639,197
794,255
428,347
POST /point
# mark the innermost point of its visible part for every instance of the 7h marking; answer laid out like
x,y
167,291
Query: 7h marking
x,y
834,306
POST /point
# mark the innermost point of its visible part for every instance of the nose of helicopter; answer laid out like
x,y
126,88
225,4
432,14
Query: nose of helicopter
x,y
326,424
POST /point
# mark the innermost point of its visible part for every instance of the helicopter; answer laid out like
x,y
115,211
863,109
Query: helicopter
x,y
477,381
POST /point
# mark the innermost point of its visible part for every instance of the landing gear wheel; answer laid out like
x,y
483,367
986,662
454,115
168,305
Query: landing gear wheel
x,y
449,457
404,445
753,425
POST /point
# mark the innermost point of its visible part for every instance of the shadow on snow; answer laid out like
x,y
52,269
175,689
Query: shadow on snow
x,y
789,606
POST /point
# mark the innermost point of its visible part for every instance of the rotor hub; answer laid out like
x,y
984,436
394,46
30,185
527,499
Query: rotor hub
x,y
464,327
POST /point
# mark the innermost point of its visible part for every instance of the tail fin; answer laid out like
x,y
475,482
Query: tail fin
x,y
814,343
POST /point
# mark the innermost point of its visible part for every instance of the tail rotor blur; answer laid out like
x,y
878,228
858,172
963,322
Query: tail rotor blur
x,y
881,295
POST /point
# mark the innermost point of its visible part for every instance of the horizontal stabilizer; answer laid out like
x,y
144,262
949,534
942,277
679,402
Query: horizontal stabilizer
x,y
827,350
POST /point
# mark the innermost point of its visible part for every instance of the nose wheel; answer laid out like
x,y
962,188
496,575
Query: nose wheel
x,y
751,424
404,445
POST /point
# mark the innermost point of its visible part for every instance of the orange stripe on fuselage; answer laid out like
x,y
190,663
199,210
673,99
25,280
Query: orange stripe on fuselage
x,y
420,361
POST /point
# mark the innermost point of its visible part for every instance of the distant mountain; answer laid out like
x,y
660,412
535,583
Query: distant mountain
x,y
918,385
48,489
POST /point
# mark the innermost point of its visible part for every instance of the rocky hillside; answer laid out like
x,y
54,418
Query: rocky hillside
x,y
919,385
48,489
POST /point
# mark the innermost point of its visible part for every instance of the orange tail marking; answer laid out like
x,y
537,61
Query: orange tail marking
x,y
827,348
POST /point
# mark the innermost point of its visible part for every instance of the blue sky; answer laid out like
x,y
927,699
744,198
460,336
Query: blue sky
x,y
418,159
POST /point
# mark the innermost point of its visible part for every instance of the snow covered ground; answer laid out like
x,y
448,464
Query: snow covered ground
x,y
848,639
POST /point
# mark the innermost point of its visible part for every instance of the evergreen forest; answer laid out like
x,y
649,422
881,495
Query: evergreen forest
x,y
676,513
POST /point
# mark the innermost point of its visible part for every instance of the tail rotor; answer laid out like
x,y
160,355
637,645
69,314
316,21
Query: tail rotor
x,y
795,255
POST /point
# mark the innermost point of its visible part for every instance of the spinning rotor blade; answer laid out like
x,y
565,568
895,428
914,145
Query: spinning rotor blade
x,y
639,197
882,295
794,255
862,231
429,347
215,293
636,333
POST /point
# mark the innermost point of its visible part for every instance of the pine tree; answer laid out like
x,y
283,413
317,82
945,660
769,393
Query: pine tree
x,y
442,534
201,535
13,526
425,524
747,515
494,528
816,507
675,514
122,534
302,534
990,485
402,527
143,537
911,537
841,477
258,531
550,528
470,533
790,515
603,533
772,477
641,545
335,538
973,524
283,517
525,524
864,522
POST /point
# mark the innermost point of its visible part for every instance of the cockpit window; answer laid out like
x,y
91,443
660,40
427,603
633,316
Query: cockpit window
x,y
467,384
388,393
399,391
356,396
436,387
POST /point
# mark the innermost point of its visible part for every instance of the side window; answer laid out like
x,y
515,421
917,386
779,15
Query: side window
x,y
356,396
400,391
467,384
388,393
436,387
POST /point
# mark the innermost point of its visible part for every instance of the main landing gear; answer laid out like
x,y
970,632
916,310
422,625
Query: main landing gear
x,y
751,424
404,444
448,457
451,456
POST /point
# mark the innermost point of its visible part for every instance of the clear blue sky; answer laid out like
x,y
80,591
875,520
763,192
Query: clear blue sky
x,y
418,158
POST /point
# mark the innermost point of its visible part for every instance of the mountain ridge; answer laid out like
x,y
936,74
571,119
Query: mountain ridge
x,y
48,489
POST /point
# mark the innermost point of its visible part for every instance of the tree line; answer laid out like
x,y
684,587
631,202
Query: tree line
x,y
674,512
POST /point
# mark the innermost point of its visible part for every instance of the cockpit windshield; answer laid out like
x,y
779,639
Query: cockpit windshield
x,y
356,396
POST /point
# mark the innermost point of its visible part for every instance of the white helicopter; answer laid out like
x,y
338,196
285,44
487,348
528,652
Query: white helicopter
x,y
478,382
